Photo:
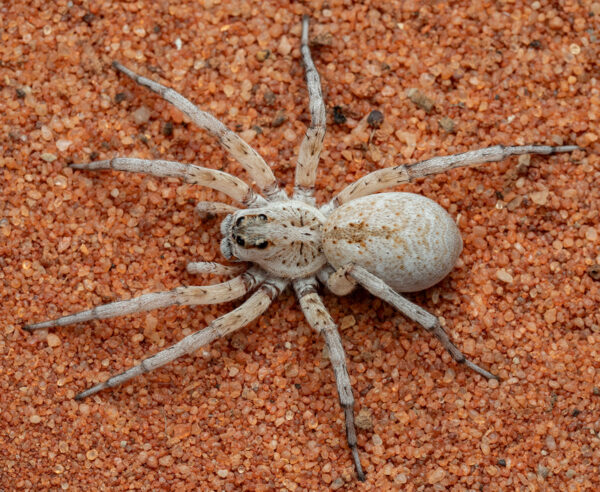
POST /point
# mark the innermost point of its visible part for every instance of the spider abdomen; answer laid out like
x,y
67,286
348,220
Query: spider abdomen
x,y
407,240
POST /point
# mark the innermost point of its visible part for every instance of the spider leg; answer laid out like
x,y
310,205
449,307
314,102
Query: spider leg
x,y
389,177
211,178
337,281
202,267
319,319
190,296
310,149
215,208
254,306
379,288
252,162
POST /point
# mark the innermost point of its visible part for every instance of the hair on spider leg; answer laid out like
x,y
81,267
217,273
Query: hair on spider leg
x,y
387,243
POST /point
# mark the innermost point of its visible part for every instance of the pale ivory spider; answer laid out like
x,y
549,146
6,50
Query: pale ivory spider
x,y
388,243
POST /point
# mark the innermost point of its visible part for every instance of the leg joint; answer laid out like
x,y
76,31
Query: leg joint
x,y
273,287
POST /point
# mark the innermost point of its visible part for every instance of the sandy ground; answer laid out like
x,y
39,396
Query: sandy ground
x,y
259,411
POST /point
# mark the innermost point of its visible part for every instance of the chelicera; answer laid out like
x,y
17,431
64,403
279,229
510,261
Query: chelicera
x,y
388,243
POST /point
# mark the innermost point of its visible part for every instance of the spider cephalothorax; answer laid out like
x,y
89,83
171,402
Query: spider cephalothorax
x,y
387,243
283,238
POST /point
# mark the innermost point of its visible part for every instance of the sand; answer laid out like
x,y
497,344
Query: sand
x,y
259,411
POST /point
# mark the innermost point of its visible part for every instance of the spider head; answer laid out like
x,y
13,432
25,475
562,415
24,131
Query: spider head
x,y
283,238
245,235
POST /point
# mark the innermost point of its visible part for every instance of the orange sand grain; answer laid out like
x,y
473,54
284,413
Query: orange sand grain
x,y
259,410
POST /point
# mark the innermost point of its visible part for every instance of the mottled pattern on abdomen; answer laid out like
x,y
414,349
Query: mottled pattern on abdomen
x,y
407,240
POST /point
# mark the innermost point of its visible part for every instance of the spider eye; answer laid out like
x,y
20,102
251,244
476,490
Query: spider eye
x,y
239,221
240,240
262,217
262,245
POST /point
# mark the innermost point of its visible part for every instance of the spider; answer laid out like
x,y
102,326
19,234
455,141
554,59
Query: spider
x,y
387,243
